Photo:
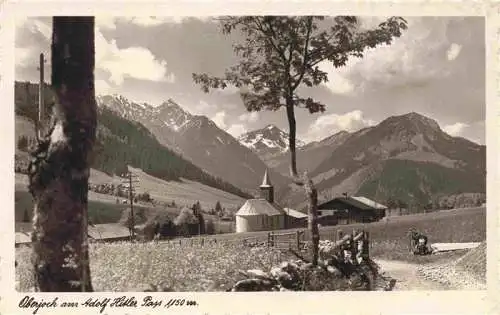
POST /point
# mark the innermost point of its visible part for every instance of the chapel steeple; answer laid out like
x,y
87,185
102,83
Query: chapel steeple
x,y
267,189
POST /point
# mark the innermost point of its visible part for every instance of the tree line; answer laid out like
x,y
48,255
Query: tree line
x,y
151,224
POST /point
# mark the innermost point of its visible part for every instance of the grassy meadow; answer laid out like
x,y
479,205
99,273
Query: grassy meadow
x,y
214,266
126,266
184,193
104,209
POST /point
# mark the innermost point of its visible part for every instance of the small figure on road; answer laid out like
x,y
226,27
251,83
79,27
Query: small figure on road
x,y
418,243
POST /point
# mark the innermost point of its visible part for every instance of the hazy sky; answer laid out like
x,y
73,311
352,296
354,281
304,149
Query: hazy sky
x,y
437,68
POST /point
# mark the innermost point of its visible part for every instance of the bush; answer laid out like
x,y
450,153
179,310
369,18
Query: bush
x,y
126,217
186,223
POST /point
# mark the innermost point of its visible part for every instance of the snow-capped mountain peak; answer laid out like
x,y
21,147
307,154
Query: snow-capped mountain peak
x,y
267,141
168,114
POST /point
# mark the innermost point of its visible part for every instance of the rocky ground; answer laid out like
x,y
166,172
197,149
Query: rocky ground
x,y
451,277
407,276
454,274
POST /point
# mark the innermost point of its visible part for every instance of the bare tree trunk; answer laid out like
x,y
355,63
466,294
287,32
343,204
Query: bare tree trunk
x,y
292,138
59,171
310,190
312,193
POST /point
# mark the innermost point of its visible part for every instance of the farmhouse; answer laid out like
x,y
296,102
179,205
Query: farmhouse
x,y
261,214
350,209
295,219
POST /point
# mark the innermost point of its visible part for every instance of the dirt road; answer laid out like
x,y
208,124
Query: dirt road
x,y
407,276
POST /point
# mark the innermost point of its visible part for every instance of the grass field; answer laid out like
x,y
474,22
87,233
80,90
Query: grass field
x,y
389,239
214,267
99,212
447,225
184,193
103,208
108,212
125,266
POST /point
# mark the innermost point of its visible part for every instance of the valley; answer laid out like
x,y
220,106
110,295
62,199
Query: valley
x,y
407,157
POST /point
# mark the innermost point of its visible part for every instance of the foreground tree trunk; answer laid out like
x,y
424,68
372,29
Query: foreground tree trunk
x,y
292,138
312,211
309,187
59,171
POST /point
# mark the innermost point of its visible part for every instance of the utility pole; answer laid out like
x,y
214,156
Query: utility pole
x,y
131,179
41,105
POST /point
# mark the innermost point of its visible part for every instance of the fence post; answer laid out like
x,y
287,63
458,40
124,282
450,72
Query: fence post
x,y
340,234
298,240
366,245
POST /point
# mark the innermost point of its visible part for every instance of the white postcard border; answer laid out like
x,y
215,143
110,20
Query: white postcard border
x,y
435,302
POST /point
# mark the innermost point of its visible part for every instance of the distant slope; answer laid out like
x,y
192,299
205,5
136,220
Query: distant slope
x,y
407,156
199,140
122,142
401,179
309,156
183,192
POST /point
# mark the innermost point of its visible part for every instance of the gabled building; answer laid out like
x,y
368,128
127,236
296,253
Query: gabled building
x,y
295,219
350,209
261,214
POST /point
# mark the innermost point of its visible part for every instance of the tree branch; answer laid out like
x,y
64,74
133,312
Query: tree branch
x,y
305,54
270,38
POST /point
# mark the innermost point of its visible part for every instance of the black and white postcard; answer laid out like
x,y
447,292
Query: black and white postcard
x,y
249,158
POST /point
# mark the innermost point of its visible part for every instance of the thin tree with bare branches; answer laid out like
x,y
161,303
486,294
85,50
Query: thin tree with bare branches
x,y
282,53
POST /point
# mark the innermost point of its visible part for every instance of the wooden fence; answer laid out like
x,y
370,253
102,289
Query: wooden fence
x,y
291,240
359,241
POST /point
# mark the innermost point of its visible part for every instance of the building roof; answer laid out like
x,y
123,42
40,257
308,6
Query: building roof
x,y
294,213
327,212
23,237
369,202
259,207
108,231
266,181
359,202
98,232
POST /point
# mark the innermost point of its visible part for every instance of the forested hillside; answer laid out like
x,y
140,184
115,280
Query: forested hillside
x,y
121,142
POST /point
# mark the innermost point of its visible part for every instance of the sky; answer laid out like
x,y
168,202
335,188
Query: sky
x,y
436,68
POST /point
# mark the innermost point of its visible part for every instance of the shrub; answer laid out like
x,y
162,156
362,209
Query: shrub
x,y
126,217
186,223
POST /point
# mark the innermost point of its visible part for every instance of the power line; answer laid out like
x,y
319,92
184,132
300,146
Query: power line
x,y
129,181
41,105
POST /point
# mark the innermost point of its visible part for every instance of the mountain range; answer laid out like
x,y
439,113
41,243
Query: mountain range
x,y
199,140
268,141
121,143
407,157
